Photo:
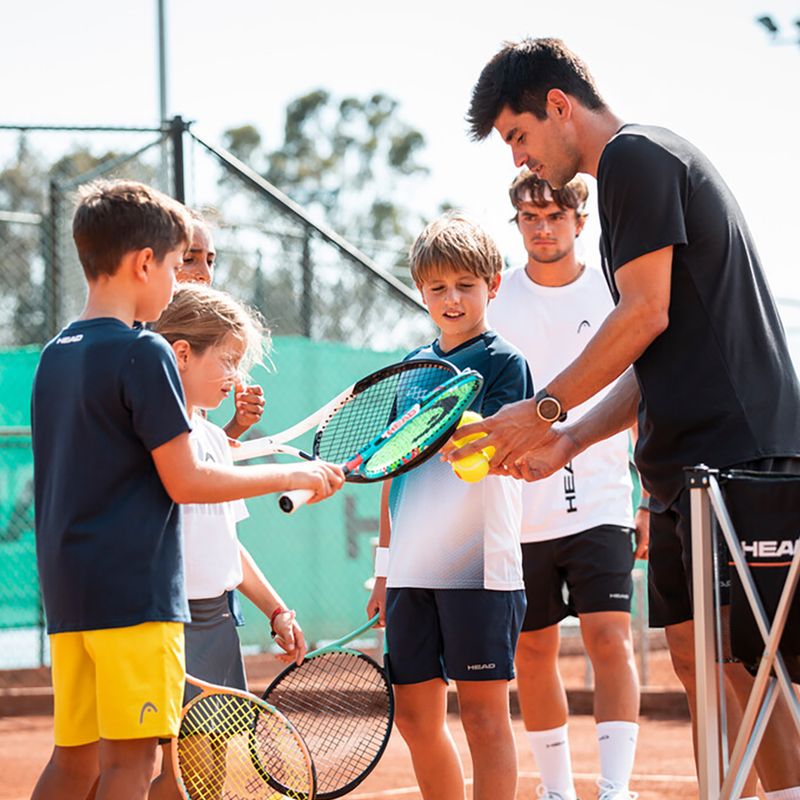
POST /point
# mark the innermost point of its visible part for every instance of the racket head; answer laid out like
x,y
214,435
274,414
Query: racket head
x,y
424,433
234,744
375,403
342,703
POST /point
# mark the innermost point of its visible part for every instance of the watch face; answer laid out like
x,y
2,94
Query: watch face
x,y
549,409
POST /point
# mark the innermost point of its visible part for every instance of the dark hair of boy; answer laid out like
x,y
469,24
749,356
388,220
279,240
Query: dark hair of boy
x,y
113,218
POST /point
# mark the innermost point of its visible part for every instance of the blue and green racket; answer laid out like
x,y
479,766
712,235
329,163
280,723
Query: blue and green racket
x,y
387,423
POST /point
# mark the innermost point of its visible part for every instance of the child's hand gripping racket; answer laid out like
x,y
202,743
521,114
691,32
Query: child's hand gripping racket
x,y
234,744
341,702
387,423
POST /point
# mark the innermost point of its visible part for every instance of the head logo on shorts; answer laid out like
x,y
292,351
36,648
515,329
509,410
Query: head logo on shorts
x,y
146,707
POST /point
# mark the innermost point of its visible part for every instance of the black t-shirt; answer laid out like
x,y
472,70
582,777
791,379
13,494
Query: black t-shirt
x,y
718,386
108,537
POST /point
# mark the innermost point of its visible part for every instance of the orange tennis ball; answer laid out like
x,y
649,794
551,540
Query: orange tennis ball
x,y
472,468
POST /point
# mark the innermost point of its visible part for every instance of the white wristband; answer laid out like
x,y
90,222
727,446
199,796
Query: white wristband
x,y
381,562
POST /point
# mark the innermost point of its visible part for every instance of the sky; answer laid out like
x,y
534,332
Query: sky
x,y
702,67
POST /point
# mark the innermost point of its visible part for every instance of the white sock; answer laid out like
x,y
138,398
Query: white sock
x,y
551,753
792,793
617,743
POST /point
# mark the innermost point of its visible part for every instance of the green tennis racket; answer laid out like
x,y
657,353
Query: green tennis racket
x,y
387,423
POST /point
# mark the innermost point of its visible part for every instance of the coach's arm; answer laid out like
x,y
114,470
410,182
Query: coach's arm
x,y
516,431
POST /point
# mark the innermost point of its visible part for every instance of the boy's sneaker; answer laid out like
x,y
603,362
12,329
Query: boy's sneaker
x,y
608,790
541,791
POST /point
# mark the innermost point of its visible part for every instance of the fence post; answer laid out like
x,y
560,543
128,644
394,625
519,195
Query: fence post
x,y
306,301
176,130
52,283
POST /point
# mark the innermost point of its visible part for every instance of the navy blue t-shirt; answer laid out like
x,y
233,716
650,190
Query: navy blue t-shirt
x,y
108,537
506,377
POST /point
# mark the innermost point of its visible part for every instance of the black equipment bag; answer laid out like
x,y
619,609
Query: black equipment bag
x,y
765,510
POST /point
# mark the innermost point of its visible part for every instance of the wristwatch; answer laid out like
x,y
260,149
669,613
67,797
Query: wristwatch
x,y
548,408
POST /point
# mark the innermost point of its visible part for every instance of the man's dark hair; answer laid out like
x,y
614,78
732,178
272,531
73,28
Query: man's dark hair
x,y
113,218
521,75
529,188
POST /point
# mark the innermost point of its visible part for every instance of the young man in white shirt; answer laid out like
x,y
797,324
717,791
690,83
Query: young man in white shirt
x,y
577,529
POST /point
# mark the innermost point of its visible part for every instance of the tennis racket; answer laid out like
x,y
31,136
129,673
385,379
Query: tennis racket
x,y
385,424
232,744
341,702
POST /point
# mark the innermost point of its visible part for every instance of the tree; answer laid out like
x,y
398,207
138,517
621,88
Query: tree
x,y
349,160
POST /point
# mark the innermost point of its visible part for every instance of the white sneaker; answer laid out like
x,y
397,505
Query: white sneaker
x,y
541,791
608,790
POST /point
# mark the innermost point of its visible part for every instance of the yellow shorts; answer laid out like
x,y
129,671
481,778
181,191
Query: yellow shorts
x,y
118,683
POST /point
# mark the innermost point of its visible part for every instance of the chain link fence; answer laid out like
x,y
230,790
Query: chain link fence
x,y
335,315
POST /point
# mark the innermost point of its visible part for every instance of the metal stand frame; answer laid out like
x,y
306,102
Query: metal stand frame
x,y
718,779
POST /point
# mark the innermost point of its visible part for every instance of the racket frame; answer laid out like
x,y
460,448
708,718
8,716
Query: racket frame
x,y
209,690
338,647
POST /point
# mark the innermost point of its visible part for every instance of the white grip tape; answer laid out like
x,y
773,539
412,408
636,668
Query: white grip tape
x,y
291,501
381,562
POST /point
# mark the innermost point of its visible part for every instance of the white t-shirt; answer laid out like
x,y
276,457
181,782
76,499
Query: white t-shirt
x,y
551,325
212,562
449,534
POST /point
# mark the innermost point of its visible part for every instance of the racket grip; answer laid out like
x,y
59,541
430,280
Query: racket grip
x,y
291,501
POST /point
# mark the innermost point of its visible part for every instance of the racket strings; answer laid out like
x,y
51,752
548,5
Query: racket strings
x,y
234,748
341,704
423,431
368,414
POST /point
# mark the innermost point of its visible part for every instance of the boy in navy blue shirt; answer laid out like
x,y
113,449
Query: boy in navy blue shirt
x,y
111,460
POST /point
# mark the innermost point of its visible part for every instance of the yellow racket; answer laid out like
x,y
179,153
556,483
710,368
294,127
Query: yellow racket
x,y
233,744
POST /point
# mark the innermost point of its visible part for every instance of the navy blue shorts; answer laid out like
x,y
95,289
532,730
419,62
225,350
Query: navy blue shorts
x,y
463,634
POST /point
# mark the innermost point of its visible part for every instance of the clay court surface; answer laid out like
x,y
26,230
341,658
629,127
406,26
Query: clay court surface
x,y
664,766
663,770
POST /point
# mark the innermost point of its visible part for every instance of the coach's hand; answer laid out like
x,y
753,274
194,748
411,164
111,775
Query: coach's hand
x,y
513,431
556,449
320,477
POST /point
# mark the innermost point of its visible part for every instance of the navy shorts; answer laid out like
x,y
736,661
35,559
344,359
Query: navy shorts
x,y
463,634
594,566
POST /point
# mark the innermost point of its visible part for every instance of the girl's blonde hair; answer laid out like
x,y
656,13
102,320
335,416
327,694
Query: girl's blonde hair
x,y
203,317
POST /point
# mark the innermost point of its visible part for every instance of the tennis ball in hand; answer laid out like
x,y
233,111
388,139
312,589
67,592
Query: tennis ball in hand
x,y
472,468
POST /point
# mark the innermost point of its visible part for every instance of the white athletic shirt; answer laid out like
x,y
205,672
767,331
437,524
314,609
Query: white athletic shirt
x,y
551,325
210,546
449,534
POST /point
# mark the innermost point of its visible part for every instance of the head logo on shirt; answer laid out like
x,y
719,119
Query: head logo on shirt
x,y
584,323
69,339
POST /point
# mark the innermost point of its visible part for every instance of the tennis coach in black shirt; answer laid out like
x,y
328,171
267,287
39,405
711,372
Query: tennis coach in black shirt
x,y
695,334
